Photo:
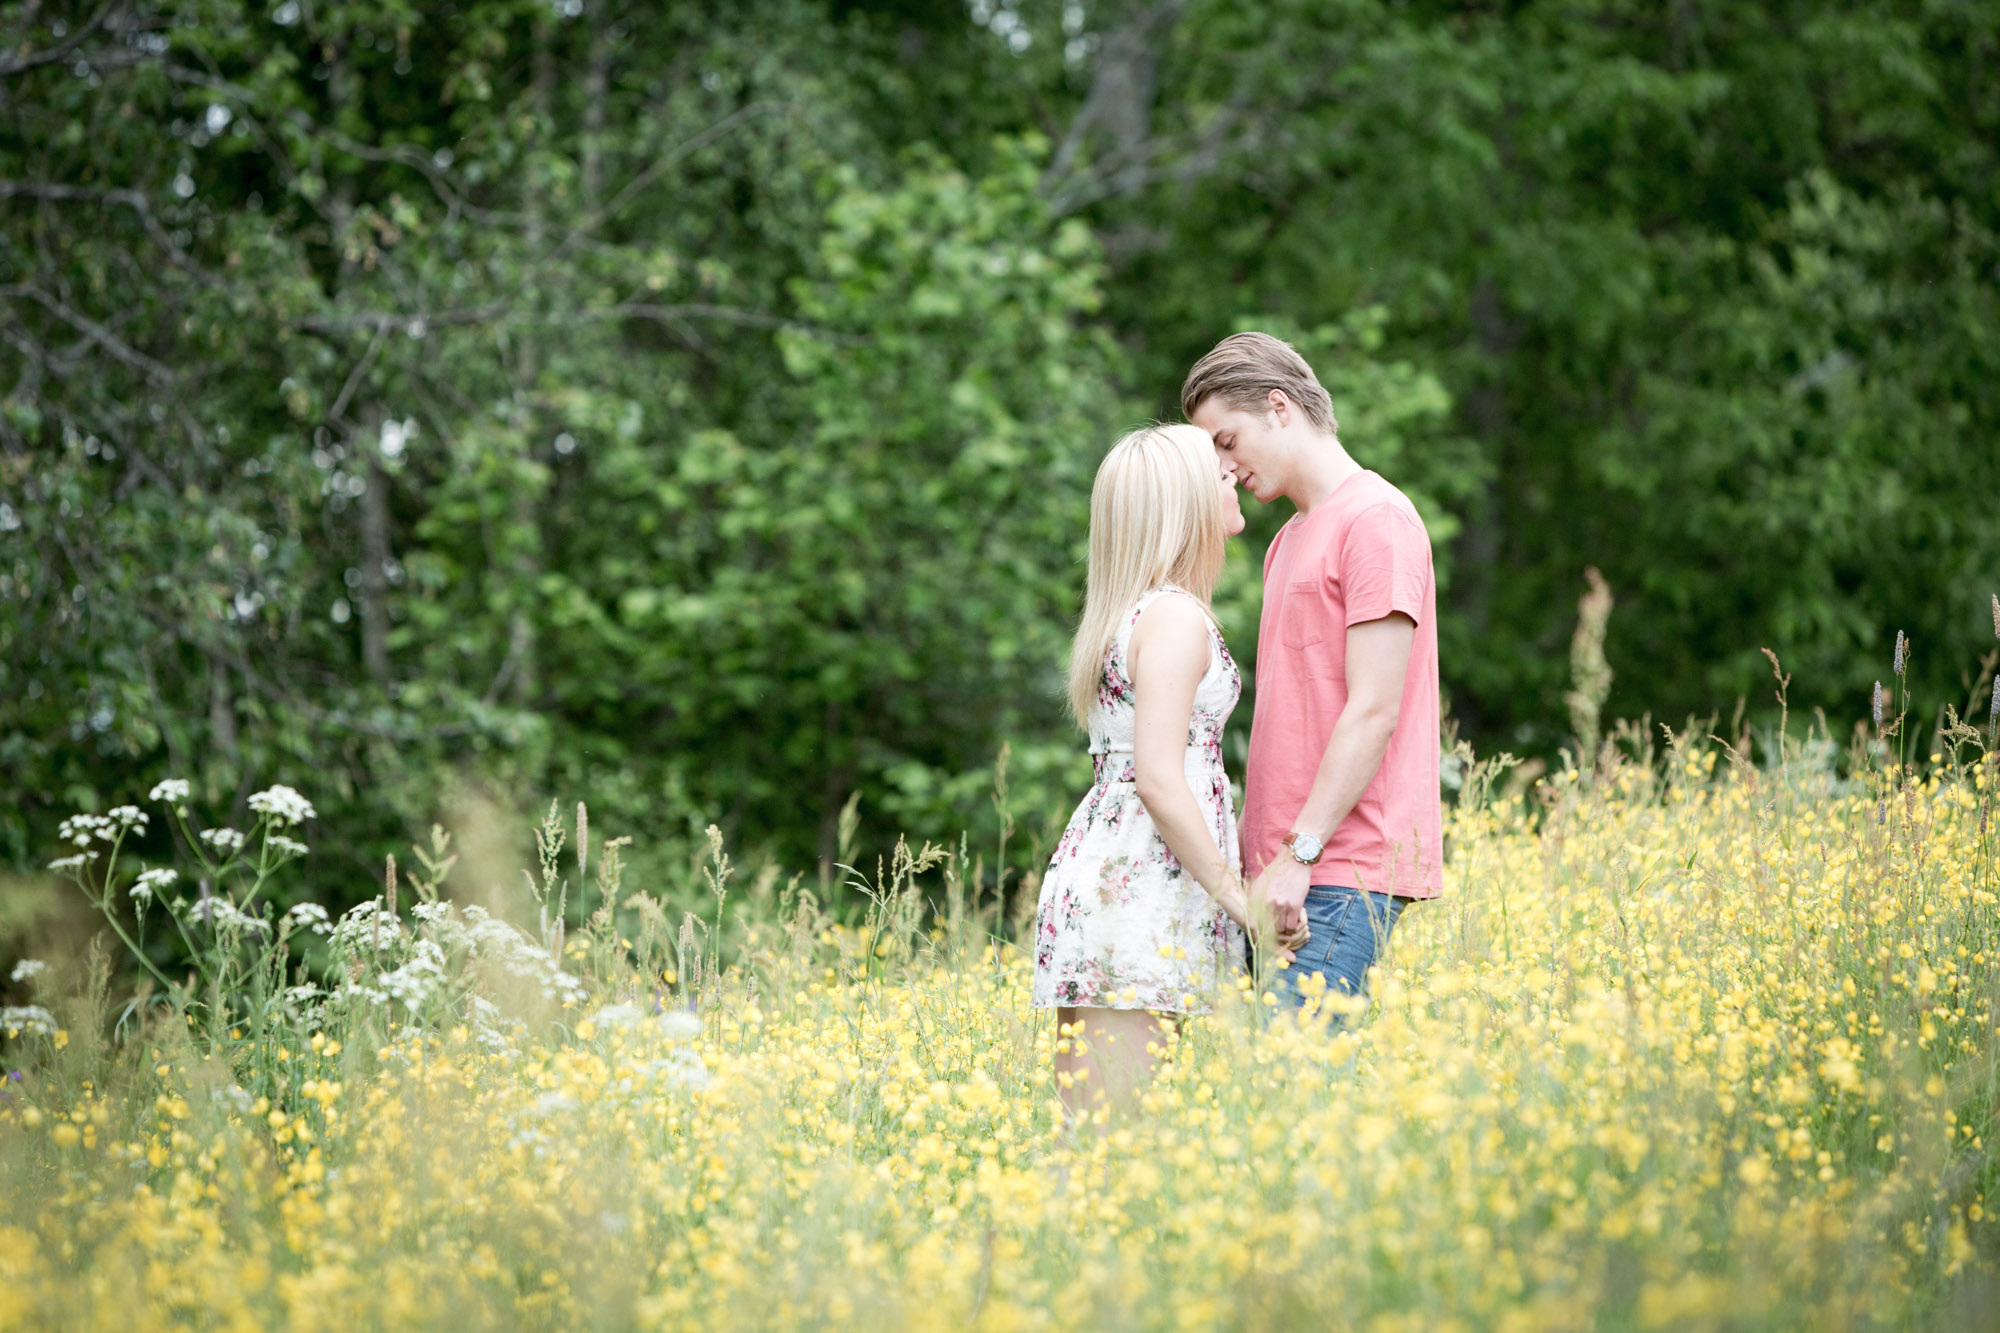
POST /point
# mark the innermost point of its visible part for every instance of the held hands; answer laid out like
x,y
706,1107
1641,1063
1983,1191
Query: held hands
x,y
1251,907
1278,896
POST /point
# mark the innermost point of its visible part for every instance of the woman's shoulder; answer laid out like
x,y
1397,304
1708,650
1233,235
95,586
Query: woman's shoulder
x,y
1170,603
1181,619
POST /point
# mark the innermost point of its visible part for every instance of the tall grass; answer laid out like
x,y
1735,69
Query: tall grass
x,y
1688,1043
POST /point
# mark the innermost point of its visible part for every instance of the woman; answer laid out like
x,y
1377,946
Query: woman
x,y
1142,910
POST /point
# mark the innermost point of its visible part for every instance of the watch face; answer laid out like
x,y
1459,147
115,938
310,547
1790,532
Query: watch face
x,y
1305,848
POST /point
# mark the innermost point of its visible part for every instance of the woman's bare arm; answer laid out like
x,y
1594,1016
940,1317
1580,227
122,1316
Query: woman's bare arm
x,y
1166,659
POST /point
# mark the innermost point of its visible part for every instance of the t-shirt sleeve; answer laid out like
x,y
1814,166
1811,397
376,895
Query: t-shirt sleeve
x,y
1384,565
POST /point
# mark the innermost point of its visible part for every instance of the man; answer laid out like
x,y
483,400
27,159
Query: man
x,y
1342,823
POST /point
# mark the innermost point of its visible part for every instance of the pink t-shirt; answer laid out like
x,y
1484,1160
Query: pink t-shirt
x,y
1358,556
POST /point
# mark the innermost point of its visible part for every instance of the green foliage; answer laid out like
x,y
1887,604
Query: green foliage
x,y
635,434
696,405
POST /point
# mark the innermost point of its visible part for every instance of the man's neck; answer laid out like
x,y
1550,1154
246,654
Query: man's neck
x,y
1322,467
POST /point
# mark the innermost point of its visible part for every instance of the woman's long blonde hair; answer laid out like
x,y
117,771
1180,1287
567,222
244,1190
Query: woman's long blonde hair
x,y
1155,518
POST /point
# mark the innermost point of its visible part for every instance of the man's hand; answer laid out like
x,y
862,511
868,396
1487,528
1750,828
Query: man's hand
x,y
1281,891
1255,918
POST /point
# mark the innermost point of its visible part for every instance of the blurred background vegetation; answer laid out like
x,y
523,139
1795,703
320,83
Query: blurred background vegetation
x,y
692,408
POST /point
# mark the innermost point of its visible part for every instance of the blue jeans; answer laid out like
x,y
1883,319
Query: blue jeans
x,y
1349,931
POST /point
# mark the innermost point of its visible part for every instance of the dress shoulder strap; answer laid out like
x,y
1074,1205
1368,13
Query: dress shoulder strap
x,y
1151,595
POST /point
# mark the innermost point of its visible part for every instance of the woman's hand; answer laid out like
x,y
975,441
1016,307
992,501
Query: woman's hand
x,y
1236,899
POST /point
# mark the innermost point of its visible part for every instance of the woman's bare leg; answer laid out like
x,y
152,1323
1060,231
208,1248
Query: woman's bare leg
x,y
1101,1057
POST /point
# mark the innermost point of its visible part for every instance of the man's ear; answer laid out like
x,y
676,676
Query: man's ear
x,y
1279,406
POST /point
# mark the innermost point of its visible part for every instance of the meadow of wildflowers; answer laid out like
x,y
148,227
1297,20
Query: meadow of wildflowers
x,y
1687,1044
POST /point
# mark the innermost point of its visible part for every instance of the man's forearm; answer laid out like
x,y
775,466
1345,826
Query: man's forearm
x,y
1353,755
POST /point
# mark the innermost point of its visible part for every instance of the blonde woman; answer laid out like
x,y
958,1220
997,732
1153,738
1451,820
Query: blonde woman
x,y
1142,911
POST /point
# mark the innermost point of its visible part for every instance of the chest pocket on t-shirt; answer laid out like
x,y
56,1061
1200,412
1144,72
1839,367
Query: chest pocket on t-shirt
x,y
1303,623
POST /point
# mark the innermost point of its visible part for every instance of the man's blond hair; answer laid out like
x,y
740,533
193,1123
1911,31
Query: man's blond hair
x,y
1245,367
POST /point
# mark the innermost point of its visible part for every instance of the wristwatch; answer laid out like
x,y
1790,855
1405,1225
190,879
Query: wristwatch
x,y
1304,847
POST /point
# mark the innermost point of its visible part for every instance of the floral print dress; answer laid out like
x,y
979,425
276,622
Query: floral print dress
x,y
1121,925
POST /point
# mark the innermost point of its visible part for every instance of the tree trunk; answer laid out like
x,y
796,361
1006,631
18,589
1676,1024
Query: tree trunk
x,y
596,85
1115,123
1478,548
839,775
374,553
527,564
221,708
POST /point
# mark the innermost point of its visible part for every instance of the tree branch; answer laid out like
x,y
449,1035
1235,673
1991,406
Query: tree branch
x,y
132,199
95,332
354,378
21,60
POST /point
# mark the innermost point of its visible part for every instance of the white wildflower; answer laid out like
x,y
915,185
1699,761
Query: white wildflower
x,y
310,916
368,925
528,1140
495,941
76,862
411,987
413,982
223,839
497,1034
152,882
129,817
225,915
80,829
282,805
680,1068
289,846
679,1023
28,968
231,1096
431,913
492,1029
304,993
174,791
31,1019
617,1015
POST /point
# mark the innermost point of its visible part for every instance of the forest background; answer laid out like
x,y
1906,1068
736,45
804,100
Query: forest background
x,y
692,408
